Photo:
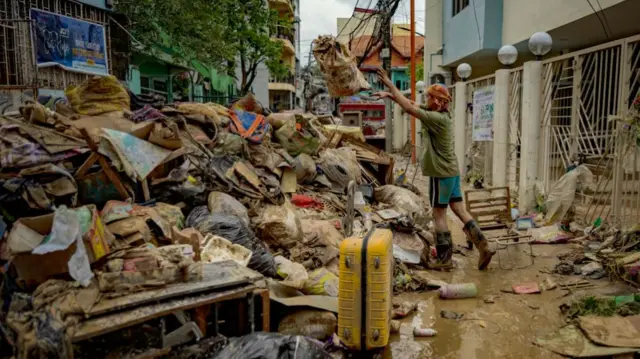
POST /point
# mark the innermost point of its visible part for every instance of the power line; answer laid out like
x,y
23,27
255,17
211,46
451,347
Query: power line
x,y
604,15
599,19
475,15
352,16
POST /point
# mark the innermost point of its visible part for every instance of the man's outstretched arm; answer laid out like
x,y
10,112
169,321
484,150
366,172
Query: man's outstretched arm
x,y
397,96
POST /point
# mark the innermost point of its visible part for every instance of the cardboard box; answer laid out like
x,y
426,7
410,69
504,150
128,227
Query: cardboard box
x,y
28,233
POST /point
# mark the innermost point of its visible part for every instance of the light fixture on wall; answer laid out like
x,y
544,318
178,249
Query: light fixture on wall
x,y
540,44
508,55
464,71
420,86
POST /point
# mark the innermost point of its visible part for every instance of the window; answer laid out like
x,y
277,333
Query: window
x,y
399,85
459,5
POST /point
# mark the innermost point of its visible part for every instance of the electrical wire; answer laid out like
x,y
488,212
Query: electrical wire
x,y
475,15
604,15
352,16
599,19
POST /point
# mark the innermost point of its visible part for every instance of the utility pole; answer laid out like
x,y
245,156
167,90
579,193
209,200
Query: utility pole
x,y
412,9
386,65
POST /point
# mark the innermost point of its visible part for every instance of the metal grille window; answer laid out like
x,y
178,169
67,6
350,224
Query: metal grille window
x,y
17,66
459,5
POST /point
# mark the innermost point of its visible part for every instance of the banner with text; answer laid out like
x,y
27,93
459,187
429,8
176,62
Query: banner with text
x,y
73,44
482,129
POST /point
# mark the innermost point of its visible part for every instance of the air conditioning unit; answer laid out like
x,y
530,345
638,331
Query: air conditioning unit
x,y
443,78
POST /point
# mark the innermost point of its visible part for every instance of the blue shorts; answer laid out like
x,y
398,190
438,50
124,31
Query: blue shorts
x,y
444,190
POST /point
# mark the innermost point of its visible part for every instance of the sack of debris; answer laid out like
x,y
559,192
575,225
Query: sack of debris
x,y
402,199
563,193
305,168
273,346
311,323
321,282
341,166
279,227
339,67
98,95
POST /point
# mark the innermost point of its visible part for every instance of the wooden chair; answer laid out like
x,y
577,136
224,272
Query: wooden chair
x,y
491,208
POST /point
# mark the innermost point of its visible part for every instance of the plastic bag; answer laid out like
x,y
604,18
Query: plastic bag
x,y
321,282
563,193
316,324
294,275
217,249
222,203
279,227
305,168
273,346
233,229
402,199
65,230
339,67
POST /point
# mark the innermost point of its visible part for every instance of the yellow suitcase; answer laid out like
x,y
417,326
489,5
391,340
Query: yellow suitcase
x,y
364,299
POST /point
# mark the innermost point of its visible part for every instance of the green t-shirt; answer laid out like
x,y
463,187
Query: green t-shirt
x,y
438,154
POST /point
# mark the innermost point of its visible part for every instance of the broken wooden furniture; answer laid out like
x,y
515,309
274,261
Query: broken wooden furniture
x,y
491,208
193,304
104,163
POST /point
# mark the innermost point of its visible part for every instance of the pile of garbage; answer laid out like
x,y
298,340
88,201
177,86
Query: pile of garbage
x,y
108,194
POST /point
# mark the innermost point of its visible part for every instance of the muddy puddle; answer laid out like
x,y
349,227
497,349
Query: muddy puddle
x,y
503,327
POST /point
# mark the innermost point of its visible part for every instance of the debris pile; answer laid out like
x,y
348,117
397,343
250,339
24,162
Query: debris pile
x,y
108,195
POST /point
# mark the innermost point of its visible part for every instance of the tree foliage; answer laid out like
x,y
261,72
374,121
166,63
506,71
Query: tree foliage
x,y
220,33
194,28
419,71
251,26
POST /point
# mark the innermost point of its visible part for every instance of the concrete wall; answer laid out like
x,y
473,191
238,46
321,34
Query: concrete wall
x,y
522,18
345,27
476,27
433,39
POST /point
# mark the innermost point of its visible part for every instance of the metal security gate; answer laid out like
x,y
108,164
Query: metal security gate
x,y
478,155
515,127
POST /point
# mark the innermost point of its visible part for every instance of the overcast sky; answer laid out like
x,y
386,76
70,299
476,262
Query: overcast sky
x,y
319,17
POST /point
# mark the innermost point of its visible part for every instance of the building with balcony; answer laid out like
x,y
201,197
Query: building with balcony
x,y
282,90
472,31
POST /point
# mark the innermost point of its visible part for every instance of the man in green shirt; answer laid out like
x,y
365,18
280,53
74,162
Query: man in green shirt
x,y
439,162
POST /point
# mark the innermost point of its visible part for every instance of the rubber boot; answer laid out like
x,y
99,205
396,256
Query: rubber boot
x,y
444,247
477,237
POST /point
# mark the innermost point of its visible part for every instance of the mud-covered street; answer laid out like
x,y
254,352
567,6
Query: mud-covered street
x,y
505,328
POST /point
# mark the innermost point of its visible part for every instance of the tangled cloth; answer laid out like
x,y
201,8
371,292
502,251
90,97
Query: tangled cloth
x,y
441,97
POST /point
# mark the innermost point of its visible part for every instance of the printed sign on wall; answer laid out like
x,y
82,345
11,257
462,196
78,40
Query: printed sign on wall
x,y
482,129
72,44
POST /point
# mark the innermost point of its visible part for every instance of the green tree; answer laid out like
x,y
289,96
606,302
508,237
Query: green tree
x,y
250,26
419,71
194,28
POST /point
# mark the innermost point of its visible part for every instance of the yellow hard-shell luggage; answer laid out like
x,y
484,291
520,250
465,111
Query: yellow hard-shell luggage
x,y
364,299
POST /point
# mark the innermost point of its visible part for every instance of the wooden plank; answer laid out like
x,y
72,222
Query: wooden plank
x,y
93,158
216,276
266,309
484,200
489,205
486,212
111,323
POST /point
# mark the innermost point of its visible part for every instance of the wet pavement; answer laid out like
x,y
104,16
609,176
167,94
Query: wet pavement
x,y
503,329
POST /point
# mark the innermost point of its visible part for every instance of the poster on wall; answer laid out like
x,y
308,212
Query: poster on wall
x,y
72,44
482,129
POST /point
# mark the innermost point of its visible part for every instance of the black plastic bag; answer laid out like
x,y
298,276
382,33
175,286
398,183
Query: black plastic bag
x,y
273,346
235,230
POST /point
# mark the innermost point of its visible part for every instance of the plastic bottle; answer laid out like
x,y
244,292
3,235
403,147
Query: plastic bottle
x,y
424,332
458,291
